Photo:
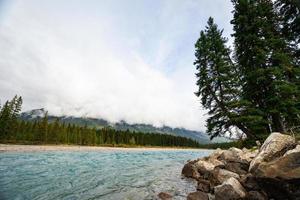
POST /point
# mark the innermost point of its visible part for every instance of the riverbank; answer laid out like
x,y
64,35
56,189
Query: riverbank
x,y
39,148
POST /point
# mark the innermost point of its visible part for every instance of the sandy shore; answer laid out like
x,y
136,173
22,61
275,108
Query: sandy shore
x,y
40,148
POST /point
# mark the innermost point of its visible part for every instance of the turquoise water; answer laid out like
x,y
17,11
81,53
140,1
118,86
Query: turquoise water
x,y
95,175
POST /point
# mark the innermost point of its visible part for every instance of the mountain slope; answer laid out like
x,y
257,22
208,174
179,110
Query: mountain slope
x,y
122,125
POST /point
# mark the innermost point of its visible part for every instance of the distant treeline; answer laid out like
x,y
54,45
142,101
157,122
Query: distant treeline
x,y
15,130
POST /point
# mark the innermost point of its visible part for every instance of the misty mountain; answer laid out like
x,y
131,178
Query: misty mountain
x,y
201,137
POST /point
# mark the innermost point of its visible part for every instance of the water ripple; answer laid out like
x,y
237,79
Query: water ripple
x,y
94,175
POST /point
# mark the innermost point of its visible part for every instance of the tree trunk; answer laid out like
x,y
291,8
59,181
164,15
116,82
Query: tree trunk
x,y
277,124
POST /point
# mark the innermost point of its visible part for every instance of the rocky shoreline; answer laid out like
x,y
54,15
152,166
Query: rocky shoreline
x,y
271,171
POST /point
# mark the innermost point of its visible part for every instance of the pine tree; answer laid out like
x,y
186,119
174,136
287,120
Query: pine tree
x,y
55,131
132,141
16,105
9,118
4,120
289,23
44,128
218,82
264,63
289,13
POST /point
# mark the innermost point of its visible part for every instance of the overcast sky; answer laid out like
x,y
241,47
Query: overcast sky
x,y
115,59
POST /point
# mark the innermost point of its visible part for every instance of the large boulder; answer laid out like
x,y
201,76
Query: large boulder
x,y
190,171
218,176
207,166
204,166
285,167
275,145
230,189
237,155
197,196
222,175
236,160
270,172
230,155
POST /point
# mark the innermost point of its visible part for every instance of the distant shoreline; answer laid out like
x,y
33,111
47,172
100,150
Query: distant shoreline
x,y
42,148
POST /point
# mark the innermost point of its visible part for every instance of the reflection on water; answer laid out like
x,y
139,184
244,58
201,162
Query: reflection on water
x,y
95,175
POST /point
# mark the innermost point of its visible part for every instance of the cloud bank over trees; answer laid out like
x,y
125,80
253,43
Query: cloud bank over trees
x,y
128,60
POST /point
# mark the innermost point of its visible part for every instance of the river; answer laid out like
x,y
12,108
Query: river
x,y
111,175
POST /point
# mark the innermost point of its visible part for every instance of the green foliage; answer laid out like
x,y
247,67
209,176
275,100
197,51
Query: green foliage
x,y
288,11
266,65
132,141
258,92
8,117
218,82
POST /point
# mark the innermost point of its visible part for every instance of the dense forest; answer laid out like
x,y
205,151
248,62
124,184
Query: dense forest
x,y
15,130
252,88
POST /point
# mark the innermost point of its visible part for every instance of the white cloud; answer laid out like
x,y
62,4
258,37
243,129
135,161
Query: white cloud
x,y
94,61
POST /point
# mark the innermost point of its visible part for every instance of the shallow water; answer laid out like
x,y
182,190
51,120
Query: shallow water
x,y
95,175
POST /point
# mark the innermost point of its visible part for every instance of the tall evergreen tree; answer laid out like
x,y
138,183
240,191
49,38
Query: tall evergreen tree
x,y
44,128
16,105
264,62
4,120
9,118
218,82
288,12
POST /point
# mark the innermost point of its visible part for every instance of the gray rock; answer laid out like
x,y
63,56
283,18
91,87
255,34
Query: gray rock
x,y
248,156
229,156
216,153
222,175
190,171
216,162
218,176
230,189
164,196
204,166
275,145
285,167
197,196
239,168
208,165
271,172
236,160
236,155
